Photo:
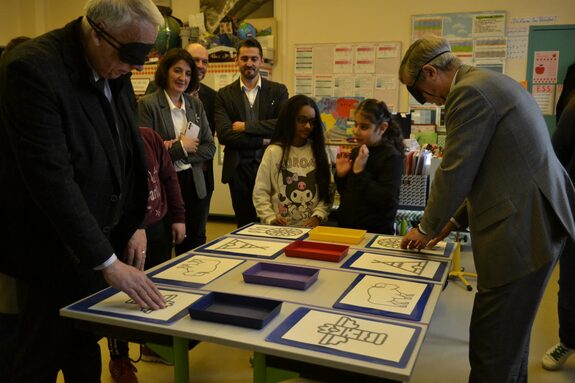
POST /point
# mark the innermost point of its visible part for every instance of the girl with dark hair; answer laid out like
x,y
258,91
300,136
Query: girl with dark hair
x,y
368,179
293,181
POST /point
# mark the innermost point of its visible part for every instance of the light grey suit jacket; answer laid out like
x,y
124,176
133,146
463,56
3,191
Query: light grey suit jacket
x,y
154,112
499,160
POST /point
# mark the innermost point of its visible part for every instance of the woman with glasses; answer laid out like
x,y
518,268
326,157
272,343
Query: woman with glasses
x,y
293,181
368,179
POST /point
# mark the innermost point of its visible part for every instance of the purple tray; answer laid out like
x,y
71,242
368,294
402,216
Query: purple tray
x,y
234,309
274,274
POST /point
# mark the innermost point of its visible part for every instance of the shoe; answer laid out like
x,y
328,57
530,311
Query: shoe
x,y
148,355
556,356
123,371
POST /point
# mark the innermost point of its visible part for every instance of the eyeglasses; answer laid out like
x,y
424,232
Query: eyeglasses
x,y
130,53
416,93
304,120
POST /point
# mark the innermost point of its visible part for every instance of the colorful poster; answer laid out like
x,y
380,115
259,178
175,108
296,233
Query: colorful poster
x,y
545,66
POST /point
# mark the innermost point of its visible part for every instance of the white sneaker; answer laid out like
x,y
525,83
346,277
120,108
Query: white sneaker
x,y
556,356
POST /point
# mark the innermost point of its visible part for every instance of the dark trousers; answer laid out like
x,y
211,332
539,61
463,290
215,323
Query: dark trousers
x,y
8,333
500,328
241,190
48,343
197,211
567,295
158,250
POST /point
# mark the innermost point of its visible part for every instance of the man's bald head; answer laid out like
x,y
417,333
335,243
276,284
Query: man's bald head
x,y
200,55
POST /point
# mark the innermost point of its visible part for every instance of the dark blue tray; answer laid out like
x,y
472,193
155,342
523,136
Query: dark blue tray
x,y
237,310
274,274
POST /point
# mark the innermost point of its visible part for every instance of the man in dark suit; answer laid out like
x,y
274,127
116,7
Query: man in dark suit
x,y
206,94
74,179
246,113
514,195
208,98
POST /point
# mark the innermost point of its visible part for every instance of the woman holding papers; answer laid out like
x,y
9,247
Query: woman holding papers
x,y
181,122
368,179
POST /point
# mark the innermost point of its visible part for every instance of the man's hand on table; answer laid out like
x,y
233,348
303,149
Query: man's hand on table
x,y
414,239
135,283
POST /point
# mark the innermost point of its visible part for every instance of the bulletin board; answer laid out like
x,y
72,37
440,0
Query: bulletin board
x,y
361,70
477,38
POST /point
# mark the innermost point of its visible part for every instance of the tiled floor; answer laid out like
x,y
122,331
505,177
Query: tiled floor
x,y
443,358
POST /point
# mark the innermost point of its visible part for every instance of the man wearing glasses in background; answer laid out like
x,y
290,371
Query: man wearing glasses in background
x,y
75,180
246,113
500,177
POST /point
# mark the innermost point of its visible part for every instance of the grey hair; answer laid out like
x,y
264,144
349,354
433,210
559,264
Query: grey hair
x,y
421,52
118,14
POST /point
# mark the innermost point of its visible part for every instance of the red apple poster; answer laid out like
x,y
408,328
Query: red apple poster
x,y
545,67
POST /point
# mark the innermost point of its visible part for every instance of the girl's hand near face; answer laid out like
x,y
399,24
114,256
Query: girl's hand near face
x,y
342,163
361,160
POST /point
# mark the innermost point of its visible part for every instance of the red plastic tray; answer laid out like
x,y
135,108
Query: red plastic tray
x,y
316,250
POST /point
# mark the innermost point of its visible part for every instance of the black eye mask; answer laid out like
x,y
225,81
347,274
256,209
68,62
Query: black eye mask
x,y
416,93
130,53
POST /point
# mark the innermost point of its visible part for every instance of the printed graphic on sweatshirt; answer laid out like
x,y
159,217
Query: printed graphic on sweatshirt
x,y
298,192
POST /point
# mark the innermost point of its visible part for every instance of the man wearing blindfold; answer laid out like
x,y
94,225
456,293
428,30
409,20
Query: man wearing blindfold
x,y
498,176
74,174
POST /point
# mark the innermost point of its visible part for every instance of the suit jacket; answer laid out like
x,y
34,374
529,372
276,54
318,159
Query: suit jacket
x,y
208,98
154,112
230,108
67,205
499,159
564,137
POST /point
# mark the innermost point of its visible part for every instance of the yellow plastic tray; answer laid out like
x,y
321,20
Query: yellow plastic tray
x,y
337,234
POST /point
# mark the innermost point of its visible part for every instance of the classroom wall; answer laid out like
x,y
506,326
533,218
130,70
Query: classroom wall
x,y
343,21
306,21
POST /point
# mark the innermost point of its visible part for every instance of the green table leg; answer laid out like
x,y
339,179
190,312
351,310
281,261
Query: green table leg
x,y
259,363
181,366
266,374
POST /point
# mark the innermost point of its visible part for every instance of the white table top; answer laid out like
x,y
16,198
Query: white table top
x,y
331,284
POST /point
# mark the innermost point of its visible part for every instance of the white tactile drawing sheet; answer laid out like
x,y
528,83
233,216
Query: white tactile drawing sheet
x,y
121,303
198,269
350,334
387,294
397,265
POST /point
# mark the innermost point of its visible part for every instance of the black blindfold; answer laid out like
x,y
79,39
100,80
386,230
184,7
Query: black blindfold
x,y
416,93
130,53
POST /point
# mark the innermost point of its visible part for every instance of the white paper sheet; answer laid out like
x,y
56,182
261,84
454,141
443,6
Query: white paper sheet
x,y
259,230
246,246
350,334
397,265
385,294
121,303
391,242
199,269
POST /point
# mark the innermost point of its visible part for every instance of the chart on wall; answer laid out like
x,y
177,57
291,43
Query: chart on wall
x,y
477,38
366,70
